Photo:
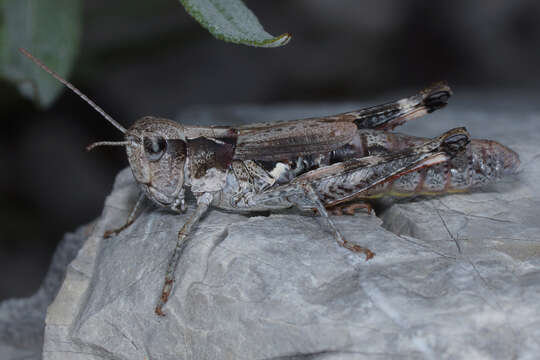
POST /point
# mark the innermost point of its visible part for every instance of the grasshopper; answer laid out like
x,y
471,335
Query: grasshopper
x,y
311,164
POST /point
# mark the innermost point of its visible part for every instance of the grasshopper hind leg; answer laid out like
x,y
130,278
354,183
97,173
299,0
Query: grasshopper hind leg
x,y
350,208
314,199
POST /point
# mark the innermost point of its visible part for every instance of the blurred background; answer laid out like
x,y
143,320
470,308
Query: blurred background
x,y
141,58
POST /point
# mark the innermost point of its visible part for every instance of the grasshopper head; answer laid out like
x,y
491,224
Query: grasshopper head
x,y
155,147
156,151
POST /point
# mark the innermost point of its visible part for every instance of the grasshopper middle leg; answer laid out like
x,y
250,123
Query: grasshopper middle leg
x,y
312,196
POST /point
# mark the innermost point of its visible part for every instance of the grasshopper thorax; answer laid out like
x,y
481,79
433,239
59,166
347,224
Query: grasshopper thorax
x,y
156,151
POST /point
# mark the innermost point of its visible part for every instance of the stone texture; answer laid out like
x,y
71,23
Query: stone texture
x,y
22,321
454,277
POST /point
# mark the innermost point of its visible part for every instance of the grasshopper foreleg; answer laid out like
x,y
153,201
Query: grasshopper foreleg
x,y
130,219
202,206
314,199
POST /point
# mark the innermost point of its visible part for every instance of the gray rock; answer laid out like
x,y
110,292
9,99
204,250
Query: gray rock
x,y
454,277
22,321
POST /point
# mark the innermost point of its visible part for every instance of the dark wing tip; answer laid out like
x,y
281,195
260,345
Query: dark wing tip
x,y
436,96
455,140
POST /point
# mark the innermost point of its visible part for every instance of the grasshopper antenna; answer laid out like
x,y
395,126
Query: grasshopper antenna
x,y
106,143
81,95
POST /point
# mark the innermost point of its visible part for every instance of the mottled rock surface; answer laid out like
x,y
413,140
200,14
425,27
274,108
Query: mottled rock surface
x,y
22,321
454,277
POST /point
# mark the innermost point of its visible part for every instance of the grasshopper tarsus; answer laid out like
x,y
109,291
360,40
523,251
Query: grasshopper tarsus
x,y
369,254
109,233
358,249
159,310
350,208
164,297
113,232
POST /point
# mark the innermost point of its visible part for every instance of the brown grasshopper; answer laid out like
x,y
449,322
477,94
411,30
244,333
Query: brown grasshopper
x,y
311,164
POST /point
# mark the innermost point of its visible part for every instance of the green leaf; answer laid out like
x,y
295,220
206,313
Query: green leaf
x,y
232,21
50,30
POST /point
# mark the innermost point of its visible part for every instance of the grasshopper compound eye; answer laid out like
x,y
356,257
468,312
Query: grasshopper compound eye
x,y
154,147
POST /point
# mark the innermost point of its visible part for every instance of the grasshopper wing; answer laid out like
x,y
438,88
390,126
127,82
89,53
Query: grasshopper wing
x,y
390,115
290,139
